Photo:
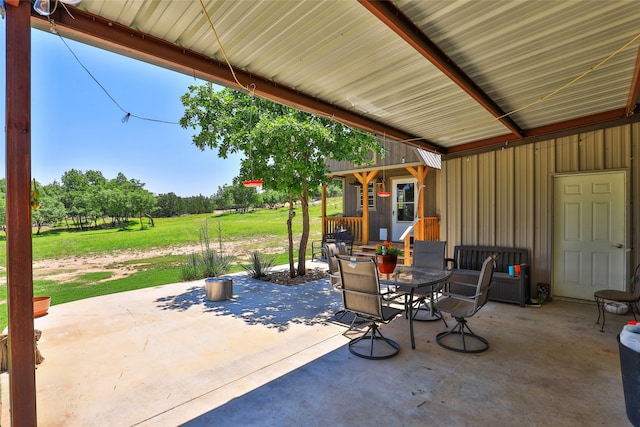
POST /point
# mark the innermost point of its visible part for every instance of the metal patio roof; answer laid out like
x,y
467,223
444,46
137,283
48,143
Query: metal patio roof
x,y
447,76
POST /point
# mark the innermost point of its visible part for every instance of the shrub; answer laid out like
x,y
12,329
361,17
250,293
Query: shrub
x,y
190,269
260,264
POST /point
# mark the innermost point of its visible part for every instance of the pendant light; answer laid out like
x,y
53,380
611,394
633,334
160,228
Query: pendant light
x,y
252,183
383,192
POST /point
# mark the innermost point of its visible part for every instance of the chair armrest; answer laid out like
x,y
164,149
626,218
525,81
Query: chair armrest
x,y
468,285
459,297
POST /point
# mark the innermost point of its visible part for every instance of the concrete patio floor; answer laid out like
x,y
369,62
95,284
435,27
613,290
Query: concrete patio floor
x,y
272,356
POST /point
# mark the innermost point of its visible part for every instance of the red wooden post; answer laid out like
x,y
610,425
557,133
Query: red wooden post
x,y
22,381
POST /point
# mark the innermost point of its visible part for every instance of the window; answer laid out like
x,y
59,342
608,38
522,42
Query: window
x,y
371,196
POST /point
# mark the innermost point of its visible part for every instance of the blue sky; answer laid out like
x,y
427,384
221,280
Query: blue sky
x,y
76,126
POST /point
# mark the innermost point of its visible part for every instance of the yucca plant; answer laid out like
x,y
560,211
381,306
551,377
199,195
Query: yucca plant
x,y
214,264
260,264
208,263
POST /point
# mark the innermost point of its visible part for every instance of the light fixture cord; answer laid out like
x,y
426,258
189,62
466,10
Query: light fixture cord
x,y
215,33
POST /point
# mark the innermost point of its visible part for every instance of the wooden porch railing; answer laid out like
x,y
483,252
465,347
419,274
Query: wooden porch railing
x,y
427,229
336,223
424,229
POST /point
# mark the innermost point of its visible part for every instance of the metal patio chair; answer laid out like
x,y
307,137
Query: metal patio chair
x,y
361,295
461,338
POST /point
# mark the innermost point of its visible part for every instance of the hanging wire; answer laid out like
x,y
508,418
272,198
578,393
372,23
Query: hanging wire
x,y
125,119
224,54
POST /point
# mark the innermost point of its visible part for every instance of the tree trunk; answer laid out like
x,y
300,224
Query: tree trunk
x,y
302,252
292,268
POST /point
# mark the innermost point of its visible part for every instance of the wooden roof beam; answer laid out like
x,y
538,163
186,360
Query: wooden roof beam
x,y
391,16
555,130
634,91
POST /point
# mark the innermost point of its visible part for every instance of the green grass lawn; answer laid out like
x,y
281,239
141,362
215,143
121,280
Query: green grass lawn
x,y
168,232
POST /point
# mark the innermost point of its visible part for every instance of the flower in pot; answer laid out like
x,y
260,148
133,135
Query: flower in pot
x,y
387,248
387,257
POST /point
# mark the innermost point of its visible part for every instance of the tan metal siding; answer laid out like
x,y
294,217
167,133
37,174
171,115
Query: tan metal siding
x,y
544,167
505,189
519,212
591,151
470,200
618,147
634,229
486,197
567,151
523,196
451,229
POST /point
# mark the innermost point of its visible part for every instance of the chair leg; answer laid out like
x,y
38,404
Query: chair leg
x,y
340,314
600,307
424,306
376,345
470,342
634,310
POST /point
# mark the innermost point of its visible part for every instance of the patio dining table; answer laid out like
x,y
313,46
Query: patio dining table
x,y
409,278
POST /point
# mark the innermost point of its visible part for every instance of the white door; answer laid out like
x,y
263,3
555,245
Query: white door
x,y
589,230
403,208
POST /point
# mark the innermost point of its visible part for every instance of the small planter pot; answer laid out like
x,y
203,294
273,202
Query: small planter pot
x,y
41,306
386,263
218,288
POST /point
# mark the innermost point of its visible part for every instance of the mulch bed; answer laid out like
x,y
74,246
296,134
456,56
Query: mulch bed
x,y
284,277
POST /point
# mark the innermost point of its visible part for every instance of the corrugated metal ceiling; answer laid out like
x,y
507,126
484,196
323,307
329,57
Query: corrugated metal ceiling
x,y
338,52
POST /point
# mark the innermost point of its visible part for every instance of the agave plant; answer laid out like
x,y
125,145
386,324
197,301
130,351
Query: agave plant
x,y
260,264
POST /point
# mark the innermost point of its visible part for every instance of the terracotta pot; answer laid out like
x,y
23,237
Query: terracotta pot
x,y
386,263
41,306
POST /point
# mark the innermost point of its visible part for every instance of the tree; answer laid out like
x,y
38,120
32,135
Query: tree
x,y
197,204
334,188
169,205
284,147
223,199
274,198
51,211
75,197
245,197
142,202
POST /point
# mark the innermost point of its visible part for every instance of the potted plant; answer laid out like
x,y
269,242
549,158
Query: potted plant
x,y
387,257
41,305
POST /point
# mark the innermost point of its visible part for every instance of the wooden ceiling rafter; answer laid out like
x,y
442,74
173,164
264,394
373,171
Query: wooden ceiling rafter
x,y
634,91
392,17
554,130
